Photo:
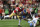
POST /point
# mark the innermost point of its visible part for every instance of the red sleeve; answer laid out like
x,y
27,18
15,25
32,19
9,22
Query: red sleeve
x,y
14,11
17,8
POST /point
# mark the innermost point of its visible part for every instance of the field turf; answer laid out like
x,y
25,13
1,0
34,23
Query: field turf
x,y
13,23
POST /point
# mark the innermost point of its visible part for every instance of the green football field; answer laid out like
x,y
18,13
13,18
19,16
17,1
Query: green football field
x,y
13,23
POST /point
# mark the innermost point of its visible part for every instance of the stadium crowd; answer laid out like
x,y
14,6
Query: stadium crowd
x,y
7,6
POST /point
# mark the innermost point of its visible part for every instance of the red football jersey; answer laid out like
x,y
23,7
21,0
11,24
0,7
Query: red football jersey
x,y
18,9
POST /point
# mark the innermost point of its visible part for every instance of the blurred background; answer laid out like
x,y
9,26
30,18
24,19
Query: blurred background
x,y
7,6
